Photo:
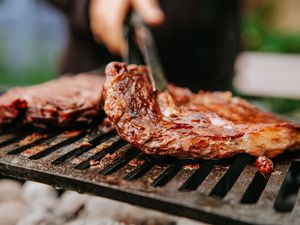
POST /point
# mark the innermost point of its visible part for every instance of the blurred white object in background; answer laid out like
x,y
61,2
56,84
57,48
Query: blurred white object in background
x,y
267,74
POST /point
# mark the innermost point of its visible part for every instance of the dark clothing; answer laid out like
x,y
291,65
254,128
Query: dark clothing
x,y
82,53
198,42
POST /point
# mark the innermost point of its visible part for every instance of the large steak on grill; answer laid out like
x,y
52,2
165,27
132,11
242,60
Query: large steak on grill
x,y
208,125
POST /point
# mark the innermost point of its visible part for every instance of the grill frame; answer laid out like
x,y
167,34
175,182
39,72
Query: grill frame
x,y
158,188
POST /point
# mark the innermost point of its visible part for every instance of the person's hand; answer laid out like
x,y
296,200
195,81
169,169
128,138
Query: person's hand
x,y
107,18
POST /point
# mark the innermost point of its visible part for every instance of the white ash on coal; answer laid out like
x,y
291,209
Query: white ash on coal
x,y
12,206
39,204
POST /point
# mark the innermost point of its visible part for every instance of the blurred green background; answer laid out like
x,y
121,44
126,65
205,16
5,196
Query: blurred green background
x,y
273,26
29,50
42,69
32,36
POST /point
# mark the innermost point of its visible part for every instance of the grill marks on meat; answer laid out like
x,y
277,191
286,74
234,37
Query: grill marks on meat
x,y
178,122
62,101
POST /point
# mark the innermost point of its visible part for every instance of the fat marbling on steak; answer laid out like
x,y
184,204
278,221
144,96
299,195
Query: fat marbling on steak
x,y
64,101
209,125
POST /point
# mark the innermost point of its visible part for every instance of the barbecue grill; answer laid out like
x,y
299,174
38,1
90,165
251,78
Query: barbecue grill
x,y
98,162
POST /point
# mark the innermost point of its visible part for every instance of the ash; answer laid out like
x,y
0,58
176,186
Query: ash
x,y
38,204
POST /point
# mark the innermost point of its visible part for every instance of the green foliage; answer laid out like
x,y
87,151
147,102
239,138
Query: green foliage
x,y
41,69
281,106
31,75
258,35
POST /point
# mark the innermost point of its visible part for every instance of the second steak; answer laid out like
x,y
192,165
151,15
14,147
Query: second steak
x,y
64,101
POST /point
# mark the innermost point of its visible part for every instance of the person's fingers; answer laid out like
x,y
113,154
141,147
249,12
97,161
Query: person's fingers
x,y
150,11
107,18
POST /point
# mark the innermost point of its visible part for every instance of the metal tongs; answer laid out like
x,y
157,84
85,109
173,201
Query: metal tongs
x,y
141,49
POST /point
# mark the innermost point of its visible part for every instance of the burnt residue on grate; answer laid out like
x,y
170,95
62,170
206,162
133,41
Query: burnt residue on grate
x,y
100,163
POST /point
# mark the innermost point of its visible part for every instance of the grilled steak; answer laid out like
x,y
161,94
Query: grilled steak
x,y
207,125
59,102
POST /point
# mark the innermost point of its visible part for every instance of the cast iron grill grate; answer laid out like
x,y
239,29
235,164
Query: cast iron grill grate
x,y
100,163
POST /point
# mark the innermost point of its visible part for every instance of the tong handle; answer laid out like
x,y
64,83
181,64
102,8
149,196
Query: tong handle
x,y
141,49
132,54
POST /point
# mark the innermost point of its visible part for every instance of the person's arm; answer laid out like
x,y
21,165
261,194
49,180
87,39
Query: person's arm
x,y
105,18
108,16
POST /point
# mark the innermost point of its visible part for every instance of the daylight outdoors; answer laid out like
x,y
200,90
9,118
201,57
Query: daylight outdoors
x,y
271,34
33,35
133,145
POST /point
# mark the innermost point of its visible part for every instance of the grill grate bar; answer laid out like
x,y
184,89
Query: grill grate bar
x,y
288,192
57,146
4,136
198,176
99,155
120,162
35,143
185,189
254,190
169,173
80,150
272,188
228,180
144,168
12,140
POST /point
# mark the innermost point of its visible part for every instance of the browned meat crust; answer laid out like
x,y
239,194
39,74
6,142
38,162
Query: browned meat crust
x,y
264,165
179,122
64,101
